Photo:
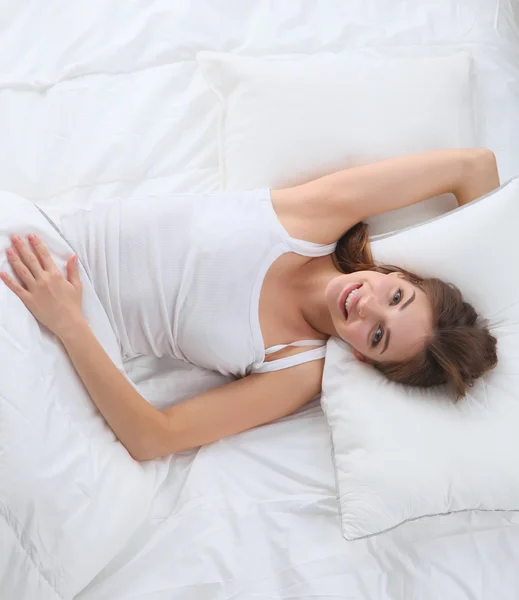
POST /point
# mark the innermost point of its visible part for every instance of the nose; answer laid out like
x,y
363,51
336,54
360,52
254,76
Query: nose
x,y
369,307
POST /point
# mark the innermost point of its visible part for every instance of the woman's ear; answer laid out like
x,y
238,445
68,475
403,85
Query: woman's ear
x,y
359,356
402,275
398,274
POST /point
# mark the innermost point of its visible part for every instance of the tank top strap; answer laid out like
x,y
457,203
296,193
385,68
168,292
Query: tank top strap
x,y
291,361
274,349
302,247
311,249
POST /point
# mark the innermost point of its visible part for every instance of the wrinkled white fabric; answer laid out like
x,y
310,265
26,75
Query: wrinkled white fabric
x,y
70,494
104,100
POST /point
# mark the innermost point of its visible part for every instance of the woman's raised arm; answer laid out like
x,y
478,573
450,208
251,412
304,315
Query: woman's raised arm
x,y
322,210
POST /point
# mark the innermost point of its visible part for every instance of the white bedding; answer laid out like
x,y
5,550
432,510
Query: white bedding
x,y
103,99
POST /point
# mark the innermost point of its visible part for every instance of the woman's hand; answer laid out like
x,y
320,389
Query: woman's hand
x,y
52,299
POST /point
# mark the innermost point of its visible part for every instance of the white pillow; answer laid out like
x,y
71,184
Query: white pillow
x,y
402,453
288,120
70,494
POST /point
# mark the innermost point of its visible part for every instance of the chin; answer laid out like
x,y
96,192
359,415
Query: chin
x,y
333,290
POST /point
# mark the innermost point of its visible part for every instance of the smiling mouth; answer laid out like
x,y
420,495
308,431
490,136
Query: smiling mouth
x,y
348,299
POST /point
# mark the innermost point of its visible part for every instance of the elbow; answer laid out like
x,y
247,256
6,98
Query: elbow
x,y
479,177
149,448
146,444
160,442
488,170
485,156
483,160
142,452
141,456
150,451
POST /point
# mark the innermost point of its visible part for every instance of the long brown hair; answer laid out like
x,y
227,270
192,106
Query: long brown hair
x,y
461,347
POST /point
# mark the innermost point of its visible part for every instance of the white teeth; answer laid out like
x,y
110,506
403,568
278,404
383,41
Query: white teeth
x,y
349,299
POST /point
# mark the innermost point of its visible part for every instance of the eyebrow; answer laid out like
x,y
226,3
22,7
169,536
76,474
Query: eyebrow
x,y
408,301
386,342
388,332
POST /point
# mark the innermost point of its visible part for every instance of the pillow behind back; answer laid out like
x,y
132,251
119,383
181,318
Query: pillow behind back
x,y
286,120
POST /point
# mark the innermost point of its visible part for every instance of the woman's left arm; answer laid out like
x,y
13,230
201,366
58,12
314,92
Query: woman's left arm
x,y
55,301
322,210
133,420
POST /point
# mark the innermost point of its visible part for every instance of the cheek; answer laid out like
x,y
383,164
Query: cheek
x,y
355,335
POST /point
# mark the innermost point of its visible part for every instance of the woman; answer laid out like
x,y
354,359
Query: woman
x,y
226,281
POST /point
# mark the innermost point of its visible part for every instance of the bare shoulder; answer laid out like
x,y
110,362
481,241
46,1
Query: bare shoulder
x,y
309,212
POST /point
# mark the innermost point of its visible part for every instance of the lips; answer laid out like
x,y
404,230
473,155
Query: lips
x,y
345,294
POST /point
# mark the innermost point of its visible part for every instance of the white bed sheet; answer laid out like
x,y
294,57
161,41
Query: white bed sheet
x,y
104,99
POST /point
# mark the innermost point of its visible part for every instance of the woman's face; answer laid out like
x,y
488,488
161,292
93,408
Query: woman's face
x,y
386,318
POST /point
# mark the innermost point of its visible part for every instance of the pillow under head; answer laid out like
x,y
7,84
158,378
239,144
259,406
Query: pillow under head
x,y
403,452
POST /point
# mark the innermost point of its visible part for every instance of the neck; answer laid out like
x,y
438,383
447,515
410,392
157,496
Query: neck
x,y
310,286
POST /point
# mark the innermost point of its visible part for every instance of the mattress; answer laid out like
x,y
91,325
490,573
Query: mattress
x,y
103,100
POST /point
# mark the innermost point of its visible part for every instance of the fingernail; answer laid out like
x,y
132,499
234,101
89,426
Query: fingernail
x,y
16,238
32,237
9,252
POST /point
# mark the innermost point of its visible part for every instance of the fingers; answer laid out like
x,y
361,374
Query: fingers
x,y
15,287
32,263
73,272
26,277
42,252
28,258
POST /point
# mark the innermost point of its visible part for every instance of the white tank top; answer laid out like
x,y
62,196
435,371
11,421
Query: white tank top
x,y
181,275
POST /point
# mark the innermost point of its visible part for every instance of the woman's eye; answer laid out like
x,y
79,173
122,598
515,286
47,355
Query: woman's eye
x,y
377,337
396,298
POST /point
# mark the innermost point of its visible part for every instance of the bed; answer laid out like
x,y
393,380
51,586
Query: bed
x,y
105,99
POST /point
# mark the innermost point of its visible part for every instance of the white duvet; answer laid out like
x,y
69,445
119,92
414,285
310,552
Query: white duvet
x,y
103,99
